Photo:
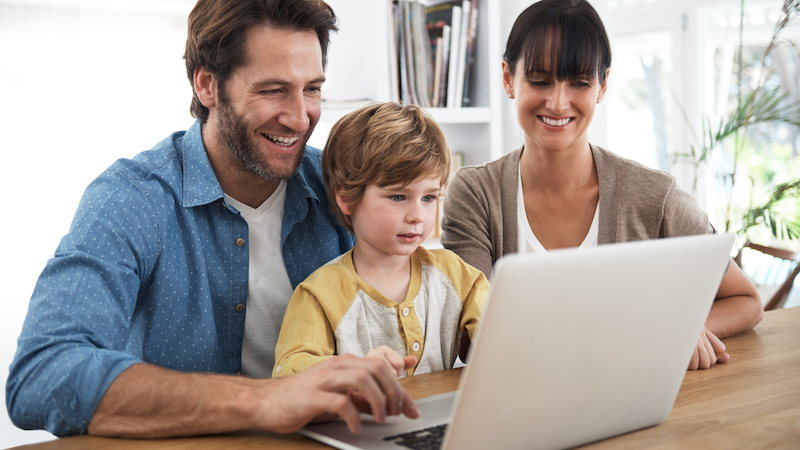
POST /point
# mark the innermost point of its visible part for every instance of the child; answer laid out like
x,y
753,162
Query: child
x,y
384,168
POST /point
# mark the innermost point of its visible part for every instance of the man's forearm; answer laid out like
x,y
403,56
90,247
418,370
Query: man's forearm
x,y
147,401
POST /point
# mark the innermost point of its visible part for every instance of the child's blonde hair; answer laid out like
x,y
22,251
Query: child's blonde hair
x,y
384,144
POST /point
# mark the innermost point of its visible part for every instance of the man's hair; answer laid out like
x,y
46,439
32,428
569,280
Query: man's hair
x,y
570,32
218,34
383,144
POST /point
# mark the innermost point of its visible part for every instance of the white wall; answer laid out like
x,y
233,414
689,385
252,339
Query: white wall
x,y
79,90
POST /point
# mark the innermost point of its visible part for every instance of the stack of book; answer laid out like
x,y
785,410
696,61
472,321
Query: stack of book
x,y
433,51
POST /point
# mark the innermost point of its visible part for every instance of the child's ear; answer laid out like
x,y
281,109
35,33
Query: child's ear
x,y
342,202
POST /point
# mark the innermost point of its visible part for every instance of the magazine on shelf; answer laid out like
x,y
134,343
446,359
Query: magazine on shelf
x,y
461,56
442,99
455,44
434,44
439,34
462,17
423,61
408,43
438,18
456,162
470,56
394,69
402,66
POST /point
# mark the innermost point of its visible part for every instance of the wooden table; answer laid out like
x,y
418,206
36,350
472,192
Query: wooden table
x,y
751,402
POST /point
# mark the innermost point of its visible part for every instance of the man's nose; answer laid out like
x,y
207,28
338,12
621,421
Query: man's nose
x,y
294,113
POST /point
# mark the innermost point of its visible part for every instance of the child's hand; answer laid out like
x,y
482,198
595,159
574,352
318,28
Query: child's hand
x,y
398,363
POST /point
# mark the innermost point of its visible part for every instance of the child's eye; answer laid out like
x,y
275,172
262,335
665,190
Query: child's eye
x,y
429,198
397,198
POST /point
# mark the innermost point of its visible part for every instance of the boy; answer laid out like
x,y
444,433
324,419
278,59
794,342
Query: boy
x,y
384,167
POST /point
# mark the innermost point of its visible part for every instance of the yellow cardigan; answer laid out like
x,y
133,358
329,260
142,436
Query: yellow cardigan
x,y
334,311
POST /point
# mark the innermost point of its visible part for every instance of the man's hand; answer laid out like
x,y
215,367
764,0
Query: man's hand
x,y
709,351
147,401
398,363
341,385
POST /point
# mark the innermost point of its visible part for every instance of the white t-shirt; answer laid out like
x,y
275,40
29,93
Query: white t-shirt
x,y
269,288
528,241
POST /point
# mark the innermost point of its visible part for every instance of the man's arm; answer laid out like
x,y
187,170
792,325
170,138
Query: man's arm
x,y
147,401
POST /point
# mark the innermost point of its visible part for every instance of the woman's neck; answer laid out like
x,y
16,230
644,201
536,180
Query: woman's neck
x,y
556,172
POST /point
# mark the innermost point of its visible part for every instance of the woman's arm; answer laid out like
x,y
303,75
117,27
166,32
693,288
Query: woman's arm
x,y
465,224
737,307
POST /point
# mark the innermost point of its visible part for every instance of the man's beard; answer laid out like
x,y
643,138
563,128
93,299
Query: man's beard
x,y
235,135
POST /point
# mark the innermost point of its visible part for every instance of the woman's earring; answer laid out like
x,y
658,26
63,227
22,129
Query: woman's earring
x,y
599,99
510,95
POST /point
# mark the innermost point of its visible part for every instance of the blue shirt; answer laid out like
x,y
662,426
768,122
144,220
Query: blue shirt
x,y
154,269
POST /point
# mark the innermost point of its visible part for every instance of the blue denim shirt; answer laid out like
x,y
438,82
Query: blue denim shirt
x,y
154,269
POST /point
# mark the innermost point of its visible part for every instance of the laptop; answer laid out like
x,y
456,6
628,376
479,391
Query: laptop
x,y
574,346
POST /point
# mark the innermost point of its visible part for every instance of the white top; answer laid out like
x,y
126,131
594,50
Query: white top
x,y
528,241
269,288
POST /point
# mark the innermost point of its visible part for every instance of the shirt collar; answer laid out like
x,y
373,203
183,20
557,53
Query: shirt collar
x,y
200,184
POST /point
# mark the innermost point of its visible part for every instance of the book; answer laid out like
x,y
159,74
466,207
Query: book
x,y
423,62
441,101
456,162
461,56
402,66
470,56
415,57
439,34
452,70
437,71
438,18
408,44
394,69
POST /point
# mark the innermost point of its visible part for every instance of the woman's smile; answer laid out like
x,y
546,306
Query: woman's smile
x,y
556,122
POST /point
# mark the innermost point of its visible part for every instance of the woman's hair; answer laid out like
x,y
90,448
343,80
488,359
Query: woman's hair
x,y
218,34
568,32
383,144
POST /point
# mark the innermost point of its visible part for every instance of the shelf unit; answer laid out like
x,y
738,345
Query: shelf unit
x,y
358,71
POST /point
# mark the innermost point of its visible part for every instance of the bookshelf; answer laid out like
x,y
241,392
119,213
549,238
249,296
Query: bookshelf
x,y
359,71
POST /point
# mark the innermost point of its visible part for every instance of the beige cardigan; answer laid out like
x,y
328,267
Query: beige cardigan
x,y
636,203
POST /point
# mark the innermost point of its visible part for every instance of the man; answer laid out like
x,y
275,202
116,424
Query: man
x,y
176,271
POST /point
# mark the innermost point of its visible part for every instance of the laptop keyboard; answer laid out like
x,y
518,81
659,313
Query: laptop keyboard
x,y
425,439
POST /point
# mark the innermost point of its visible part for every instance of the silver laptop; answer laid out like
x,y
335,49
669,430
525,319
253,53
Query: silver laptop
x,y
574,346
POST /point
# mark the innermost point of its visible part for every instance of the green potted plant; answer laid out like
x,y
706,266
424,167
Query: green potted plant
x,y
772,203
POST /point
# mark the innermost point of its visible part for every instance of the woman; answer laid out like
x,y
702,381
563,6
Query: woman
x,y
558,190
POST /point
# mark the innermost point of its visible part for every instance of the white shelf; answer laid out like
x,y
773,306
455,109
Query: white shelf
x,y
443,116
358,68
